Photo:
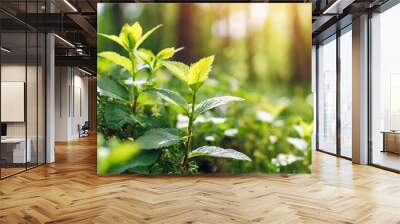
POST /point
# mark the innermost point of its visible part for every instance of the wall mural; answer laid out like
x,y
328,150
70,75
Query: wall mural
x,y
204,88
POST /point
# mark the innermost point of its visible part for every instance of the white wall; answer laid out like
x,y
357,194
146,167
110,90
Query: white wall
x,y
15,73
62,81
71,94
33,126
79,117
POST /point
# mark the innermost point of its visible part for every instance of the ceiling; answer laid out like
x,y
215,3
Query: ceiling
x,y
332,15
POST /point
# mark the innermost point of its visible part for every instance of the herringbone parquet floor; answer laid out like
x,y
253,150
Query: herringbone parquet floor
x,y
69,191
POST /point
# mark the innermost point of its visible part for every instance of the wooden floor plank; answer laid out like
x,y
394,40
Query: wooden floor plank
x,y
70,191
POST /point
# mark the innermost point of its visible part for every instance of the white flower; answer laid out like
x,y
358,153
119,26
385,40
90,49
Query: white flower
x,y
291,159
130,81
273,139
182,121
264,116
210,138
298,143
231,132
284,159
217,120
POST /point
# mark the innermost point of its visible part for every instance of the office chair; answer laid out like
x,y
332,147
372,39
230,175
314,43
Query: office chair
x,y
84,130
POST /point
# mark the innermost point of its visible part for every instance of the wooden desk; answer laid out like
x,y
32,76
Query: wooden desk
x,y
391,141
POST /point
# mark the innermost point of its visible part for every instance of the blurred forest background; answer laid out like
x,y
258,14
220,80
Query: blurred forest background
x,y
262,54
266,44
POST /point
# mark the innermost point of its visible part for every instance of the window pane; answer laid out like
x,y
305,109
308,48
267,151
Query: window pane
x,y
31,99
346,94
15,150
327,96
386,89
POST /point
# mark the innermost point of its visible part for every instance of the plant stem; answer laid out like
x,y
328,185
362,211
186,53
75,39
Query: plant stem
x,y
135,99
152,70
190,134
136,93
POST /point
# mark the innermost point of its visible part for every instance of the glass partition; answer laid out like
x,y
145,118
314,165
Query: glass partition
x,y
32,97
14,153
41,110
22,88
327,95
346,93
385,89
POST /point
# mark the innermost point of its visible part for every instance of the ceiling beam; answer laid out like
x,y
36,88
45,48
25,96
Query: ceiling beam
x,y
78,61
337,7
86,27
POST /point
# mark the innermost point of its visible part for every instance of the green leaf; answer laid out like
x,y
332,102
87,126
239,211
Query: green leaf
x,y
171,97
153,122
146,56
167,53
156,169
104,66
199,71
215,151
215,102
122,153
112,88
115,39
118,115
118,73
158,138
117,59
143,159
146,35
178,69
194,75
130,35
139,170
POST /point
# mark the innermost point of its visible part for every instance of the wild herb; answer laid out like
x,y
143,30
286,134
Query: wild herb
x,y
147,145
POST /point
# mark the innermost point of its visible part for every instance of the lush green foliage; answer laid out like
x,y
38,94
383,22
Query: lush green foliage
x,y
136,135
257,59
